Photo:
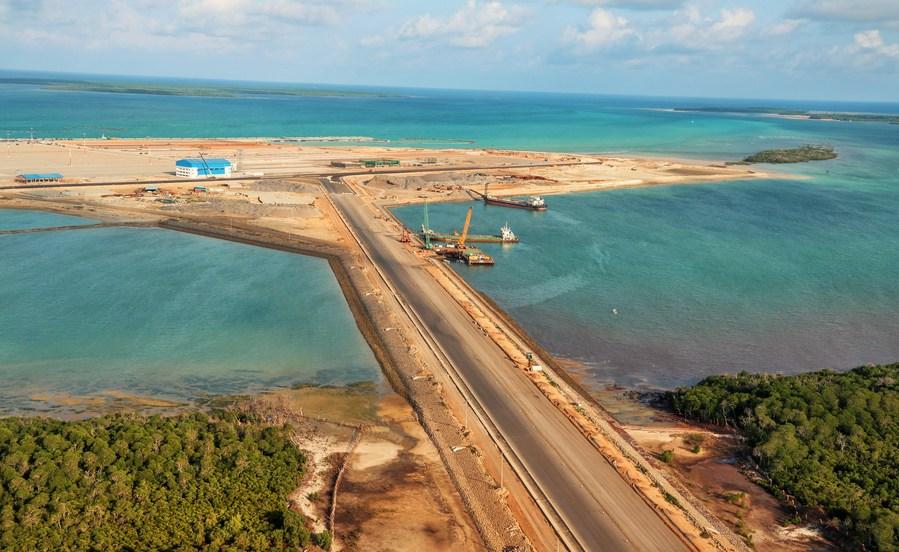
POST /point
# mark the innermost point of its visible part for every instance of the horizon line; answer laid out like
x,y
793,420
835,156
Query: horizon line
x,y
448,89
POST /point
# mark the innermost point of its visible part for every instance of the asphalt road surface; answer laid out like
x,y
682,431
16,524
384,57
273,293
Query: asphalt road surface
x,y
600,509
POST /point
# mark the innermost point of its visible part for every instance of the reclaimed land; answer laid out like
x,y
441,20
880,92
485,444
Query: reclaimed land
x,y
190,482
825,442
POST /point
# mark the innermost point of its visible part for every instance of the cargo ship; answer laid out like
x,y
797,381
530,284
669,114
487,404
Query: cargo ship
x,y
506,235
532,203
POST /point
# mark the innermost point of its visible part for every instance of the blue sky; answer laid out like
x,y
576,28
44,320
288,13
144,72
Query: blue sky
x,y
803,49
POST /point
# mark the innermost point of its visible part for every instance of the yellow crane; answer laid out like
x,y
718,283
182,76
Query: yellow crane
x,y
461,244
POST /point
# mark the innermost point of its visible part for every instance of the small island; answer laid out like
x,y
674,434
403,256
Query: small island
x,y
887,118
792,155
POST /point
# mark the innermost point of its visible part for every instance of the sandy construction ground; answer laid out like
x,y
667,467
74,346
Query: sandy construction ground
x,y
281,189
594,173
124,160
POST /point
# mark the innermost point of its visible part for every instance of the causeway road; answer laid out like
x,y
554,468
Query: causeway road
x,y
599,509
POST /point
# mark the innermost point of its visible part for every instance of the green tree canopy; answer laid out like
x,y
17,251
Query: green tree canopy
x,y
828,439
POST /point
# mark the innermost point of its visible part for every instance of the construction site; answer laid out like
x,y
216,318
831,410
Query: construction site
x,y
533,458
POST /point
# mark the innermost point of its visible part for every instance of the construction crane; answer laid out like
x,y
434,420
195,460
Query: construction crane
x,y
464,236
205,164
426,229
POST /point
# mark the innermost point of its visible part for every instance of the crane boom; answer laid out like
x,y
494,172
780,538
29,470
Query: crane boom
x,y
465,229
427,228
205,164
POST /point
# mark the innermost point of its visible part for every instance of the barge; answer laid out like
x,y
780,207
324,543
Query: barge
x,y
532,203
506,235
455,249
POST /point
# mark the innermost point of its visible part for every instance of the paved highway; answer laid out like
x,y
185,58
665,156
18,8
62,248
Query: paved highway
x,y
600,509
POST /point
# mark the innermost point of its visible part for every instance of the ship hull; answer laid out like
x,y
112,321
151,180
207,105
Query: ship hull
x,y
453,238
512,203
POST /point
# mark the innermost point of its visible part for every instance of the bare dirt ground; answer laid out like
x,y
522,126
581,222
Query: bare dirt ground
x,y
137,160
591,173
712,474
394,493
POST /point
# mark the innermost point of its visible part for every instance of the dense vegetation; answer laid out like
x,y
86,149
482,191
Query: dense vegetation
x,y
829,440
185,89
818,115
134,483
793,155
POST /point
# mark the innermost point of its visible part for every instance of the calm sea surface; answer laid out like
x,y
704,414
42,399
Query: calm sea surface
x,y
165,314
779,275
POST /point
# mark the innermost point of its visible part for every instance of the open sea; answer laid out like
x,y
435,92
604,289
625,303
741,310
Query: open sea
x,y
776,275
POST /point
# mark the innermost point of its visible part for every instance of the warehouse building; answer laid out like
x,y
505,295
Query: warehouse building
x,y
202,168
34,178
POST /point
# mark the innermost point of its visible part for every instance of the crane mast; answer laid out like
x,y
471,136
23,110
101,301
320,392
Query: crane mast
x,y
465,229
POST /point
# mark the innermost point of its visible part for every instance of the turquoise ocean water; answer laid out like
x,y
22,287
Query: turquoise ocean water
x,y
165,314
14,219
780,275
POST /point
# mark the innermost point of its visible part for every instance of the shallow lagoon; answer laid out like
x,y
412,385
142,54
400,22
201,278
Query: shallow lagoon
x,y
158,313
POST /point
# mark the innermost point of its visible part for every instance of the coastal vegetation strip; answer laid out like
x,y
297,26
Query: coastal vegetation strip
x,y
793,155
825,441
211,91
189,482
800,113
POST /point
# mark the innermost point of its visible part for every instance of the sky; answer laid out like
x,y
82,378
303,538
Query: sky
x,y
783,49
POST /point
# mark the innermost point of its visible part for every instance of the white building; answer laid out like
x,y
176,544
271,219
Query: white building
x,y
202,168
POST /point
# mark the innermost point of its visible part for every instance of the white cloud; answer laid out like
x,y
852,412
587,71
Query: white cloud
x,y
785,27
474,25
692,31
211,25
849,10
871,42
633,4
602,30
733,24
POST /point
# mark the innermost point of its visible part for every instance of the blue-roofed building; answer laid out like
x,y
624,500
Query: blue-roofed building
x,y
202,168
34,178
